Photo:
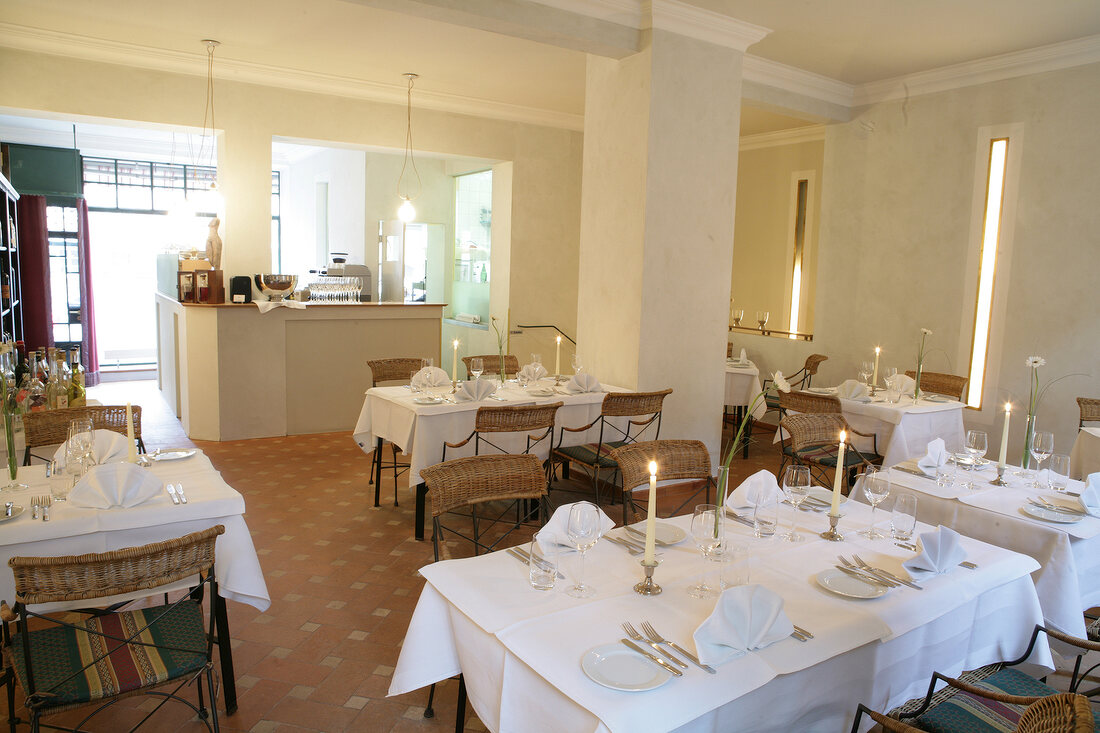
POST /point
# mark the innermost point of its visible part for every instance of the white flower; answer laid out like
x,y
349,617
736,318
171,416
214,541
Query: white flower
x,y
781,383
926,332
1035,361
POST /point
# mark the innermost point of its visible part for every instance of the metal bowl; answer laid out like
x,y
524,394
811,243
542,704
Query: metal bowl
x,y
276,287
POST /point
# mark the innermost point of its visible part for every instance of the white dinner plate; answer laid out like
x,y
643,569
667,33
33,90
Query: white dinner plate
x,y
1049,515
427,400
15,512
670,534
839,582
825,495
540,391
615,666
172,455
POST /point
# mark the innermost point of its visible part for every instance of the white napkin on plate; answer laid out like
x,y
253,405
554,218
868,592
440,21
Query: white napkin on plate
x,y
936,457
942,553
902,383
1090,495
115,485
475,391
110,447
430,377
761,487
533,371
852,390
743,358
746,617
267,305
584,382
555,533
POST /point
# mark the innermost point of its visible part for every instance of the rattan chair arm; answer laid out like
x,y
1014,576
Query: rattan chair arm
x,y
586,427
989,695
1075,641
890,724
862,458
862,435
6,614
464,442
644,422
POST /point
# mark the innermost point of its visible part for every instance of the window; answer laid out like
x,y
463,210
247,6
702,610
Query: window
x,y
801,198
62,232
473,243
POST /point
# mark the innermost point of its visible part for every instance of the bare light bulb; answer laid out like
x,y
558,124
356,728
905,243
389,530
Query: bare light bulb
x,y
406,212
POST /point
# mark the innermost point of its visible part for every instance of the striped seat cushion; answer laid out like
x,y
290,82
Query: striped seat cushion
x,y
586,454
963,712
825,455
66,670
1094,630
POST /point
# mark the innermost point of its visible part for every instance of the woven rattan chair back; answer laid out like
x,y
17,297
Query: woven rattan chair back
x,y
509,419
633,404
52,426
478,479
949,385
677,460
98,575
1065,712
491,362
813,361
1090,409
813,429
393,370
808,402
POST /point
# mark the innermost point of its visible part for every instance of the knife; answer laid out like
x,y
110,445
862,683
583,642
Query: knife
x,y
691,657
639,533
179,490
887,575
868,578
739,518
913,472
652,657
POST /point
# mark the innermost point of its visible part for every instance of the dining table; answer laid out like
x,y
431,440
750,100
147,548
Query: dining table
x,y
419,424
742,388
1065,546
76,530
1084,459
523,652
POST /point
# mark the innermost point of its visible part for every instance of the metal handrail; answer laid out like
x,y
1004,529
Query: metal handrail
x,y
563,333
771,332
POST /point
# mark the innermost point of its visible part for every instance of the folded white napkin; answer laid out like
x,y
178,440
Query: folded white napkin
x,y
555,533
942,553
430,377
584,382
1090,495
935,458
902,383
743,356
110,447
115,485
477,390
852,390
746,617
760,488
533,371
266,305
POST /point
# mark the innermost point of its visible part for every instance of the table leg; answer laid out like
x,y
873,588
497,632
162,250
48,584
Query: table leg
x,y
376,470
225,653
421,500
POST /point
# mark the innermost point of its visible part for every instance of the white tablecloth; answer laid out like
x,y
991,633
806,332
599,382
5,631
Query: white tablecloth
x,y
420,430
74,530
1068,580
520,649
1085,458
742,387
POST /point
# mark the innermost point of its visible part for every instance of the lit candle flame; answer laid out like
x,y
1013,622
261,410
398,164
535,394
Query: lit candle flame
x,y
558,339
653,468
843,436
1008,407
878,350
455,343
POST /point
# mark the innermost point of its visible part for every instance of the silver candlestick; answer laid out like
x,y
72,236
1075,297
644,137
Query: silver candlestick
x,y
647,587
1000,480
831,534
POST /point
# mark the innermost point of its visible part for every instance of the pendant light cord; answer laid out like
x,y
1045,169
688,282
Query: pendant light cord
x,y
409,159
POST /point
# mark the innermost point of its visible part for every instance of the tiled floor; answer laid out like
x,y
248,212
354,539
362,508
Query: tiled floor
x,y
343,582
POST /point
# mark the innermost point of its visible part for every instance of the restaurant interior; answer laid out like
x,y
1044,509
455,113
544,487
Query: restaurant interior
x,y
515,365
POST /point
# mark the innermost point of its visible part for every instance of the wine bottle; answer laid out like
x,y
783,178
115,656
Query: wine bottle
x,y
36,391
61,390
78,395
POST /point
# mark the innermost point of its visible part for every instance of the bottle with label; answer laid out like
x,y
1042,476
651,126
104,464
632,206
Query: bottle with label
x,y
59,400
42,370
21,367
36,391
78,396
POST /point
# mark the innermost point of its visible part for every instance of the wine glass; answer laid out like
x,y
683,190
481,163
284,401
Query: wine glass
x,y
583,531
796,485
1042,445
738,316
876,487
477,367
865,371
536,358
762,318
707,529
578,366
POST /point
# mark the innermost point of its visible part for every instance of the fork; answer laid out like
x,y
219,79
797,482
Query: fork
x,y
882,580
47,502
657,638
879,571
1047,504
34,507
179,490
632,549
633,634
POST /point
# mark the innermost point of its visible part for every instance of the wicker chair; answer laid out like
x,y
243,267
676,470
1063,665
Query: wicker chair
x,y
948,385
52,426
677,460
800,380
511,419
1090,410
812,440
807,402
389,370
597,456
491,363
996,697
62,663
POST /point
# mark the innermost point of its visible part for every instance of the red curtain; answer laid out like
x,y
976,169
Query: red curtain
x,y
34,272
89,353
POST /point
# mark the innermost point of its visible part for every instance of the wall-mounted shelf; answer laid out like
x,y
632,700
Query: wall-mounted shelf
x,y
772,332
11,316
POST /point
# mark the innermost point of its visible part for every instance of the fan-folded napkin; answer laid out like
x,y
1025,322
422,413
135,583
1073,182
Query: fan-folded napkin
x,y
430,377
942,552
852,390
476,390
935,458
760,488
1090,495
901,382
109,447
555,533
745,617
115,485
533,371
584,382
267,305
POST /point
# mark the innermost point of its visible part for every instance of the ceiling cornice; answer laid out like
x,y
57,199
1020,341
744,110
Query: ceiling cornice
x,y
791,79
807,134
694,22
1054,57
37,40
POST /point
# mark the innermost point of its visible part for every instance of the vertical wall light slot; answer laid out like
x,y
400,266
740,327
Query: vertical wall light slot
x,y
801,194
991,229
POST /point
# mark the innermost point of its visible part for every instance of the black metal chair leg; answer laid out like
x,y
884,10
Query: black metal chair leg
x,y
429,711
460,717
225,652
394,446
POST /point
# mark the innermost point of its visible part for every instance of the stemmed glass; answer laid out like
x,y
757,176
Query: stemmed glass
x,y
762,318
536,358
1042,445
708,531
865,371
477,367
583,531
876,487
976,445
796,485
738,316
578,365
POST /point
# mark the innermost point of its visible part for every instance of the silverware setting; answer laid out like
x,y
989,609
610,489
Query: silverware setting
x,y
738,518
658,639
633,634
1045,504
38,504
865,577
525,557
632,548
639,533
652,657
172,493
914,472
885,573
804,507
